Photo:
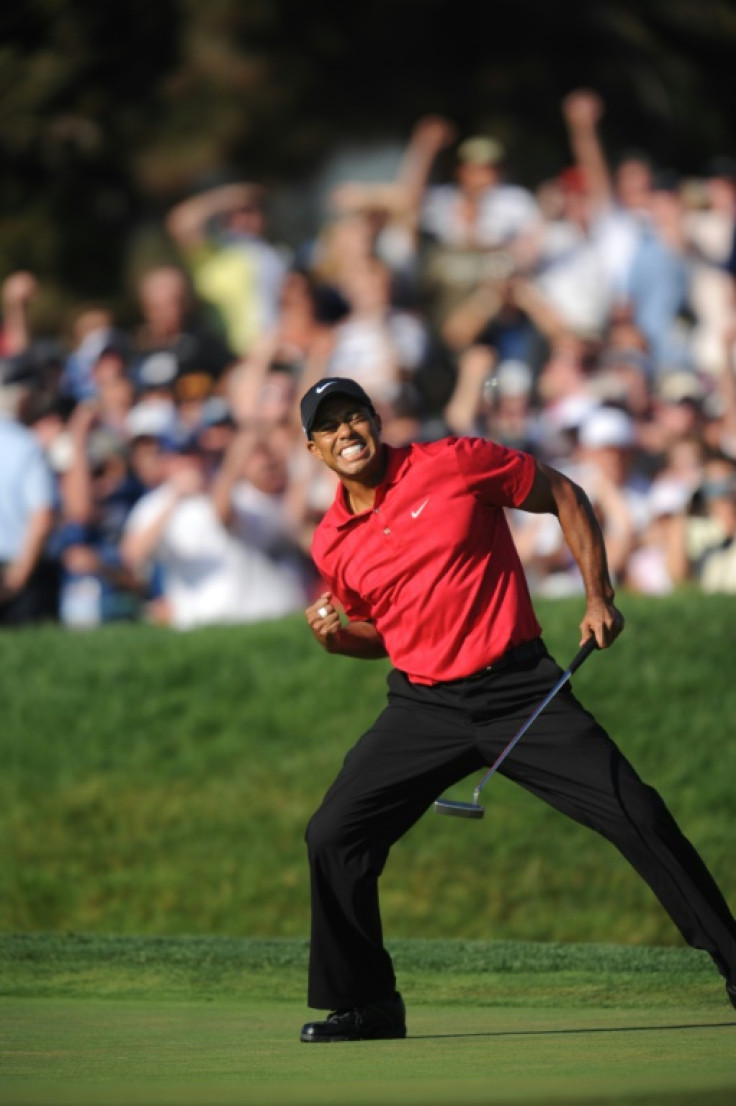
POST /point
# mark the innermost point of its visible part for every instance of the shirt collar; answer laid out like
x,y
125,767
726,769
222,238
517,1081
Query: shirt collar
x,y
396,461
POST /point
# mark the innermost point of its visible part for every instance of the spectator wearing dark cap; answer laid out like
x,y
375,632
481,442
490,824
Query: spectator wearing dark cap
x,y
98,491
114,388
28,577
156,375
173,322
99,352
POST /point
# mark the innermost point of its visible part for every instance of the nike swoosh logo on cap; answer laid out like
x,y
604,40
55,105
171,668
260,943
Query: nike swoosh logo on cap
x,y
327,385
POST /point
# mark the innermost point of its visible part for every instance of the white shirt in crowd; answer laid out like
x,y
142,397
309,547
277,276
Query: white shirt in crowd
x,y
505,212
213,575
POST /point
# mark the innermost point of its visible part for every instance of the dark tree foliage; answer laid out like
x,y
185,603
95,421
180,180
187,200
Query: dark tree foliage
x,y
111,112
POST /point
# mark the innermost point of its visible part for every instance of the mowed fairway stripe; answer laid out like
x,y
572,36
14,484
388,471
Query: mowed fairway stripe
x,y
223,1051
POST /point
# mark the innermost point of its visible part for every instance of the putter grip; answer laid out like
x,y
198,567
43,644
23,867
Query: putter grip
x,y
583,654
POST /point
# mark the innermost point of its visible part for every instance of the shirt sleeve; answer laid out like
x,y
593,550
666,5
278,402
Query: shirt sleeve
x,y
38,484
354,606
497,475
356,610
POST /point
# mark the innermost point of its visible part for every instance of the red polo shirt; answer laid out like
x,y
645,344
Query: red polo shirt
x,y
432,565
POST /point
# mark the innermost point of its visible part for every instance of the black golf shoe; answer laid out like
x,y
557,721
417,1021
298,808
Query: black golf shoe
x,y
376,1021
731,992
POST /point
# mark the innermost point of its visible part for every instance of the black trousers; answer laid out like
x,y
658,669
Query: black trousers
x,y
429,738
38,601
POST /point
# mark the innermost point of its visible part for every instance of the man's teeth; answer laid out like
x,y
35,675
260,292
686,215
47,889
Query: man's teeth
x,y
352,451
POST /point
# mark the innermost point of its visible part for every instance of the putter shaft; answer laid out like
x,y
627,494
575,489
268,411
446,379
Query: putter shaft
x,y
446,807
589,647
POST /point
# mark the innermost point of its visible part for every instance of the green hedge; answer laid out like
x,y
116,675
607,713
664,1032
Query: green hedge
x,y
159,783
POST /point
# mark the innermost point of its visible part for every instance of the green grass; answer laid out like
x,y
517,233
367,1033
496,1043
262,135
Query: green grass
x,y
112,1021
159,783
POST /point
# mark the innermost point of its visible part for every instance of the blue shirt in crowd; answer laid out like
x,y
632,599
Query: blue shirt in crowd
x,y
26,484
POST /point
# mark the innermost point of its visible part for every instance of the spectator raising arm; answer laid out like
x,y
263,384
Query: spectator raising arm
x,y
17,292
582,111
230,472
140,543
188,221
403,195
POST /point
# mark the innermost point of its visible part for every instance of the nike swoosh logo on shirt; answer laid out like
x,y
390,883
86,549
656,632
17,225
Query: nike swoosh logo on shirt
x,y
417,513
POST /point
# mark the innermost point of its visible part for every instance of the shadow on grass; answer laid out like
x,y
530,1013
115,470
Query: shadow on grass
x,y
581,1031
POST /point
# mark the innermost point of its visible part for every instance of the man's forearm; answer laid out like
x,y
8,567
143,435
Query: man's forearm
x,y
554,493
357,639
138,546
584,539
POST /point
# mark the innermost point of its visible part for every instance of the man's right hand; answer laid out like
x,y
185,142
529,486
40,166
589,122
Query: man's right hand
x,y
323,619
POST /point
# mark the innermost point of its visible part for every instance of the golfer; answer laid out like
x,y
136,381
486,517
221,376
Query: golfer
x,y
416,552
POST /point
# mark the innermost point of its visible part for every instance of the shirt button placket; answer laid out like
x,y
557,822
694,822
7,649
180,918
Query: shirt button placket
x,y
386,529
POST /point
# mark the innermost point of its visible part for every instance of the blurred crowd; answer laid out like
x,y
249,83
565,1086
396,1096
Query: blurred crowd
x,y
159,472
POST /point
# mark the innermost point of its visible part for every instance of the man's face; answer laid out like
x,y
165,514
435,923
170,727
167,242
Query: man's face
x,y
146,461
346,436
633,183
474,178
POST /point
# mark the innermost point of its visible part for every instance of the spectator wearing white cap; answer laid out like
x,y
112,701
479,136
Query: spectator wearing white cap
x,y
564,392
494,402
471,223
596,438
511,418
608,443
650,568
607,467
479,209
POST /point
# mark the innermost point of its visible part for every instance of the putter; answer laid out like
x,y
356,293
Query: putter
x,y
474,809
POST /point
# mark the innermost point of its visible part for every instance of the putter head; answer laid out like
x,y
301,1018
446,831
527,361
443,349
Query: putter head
x,y
458,810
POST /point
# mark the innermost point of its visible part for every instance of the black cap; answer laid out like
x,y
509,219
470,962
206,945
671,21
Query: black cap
x,y
322,390
18,368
